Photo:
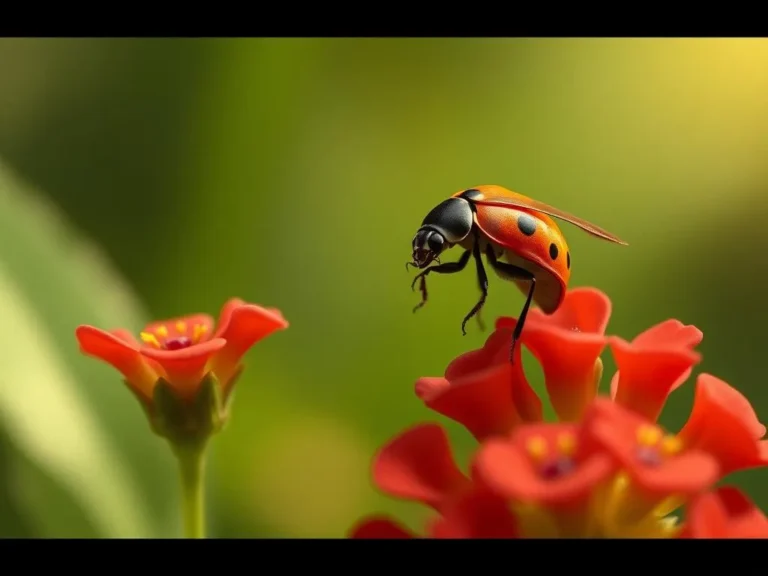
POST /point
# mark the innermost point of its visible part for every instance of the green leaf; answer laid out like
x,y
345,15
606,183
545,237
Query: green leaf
x,y
81,451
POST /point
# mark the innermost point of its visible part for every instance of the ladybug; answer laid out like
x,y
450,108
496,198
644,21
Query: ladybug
x,y
503,225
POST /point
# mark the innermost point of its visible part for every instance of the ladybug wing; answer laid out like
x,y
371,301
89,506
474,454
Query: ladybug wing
x,y
551,211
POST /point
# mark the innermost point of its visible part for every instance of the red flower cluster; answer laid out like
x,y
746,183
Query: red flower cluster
x,y
606,469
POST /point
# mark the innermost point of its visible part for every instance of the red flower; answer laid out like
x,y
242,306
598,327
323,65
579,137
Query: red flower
x,y
568,344
657,465
725,513
606,469
653,365
549,469
482,390
418,465
723,424
183,350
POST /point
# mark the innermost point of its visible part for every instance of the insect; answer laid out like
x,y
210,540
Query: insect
x,y
503,225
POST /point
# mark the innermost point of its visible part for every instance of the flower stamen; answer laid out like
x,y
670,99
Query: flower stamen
x,y
536,447
654,446
557,464
671,445
161,338
150,339
198,331
566,444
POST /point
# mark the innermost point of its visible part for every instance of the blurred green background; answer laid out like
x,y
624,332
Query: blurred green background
x,y
151,178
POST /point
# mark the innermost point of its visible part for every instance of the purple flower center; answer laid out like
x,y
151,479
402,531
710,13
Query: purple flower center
x,y
557,468
649,455
177,343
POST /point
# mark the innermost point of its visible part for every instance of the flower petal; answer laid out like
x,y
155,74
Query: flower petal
x,y
567,345
242,326
126,336
670,334
571,365
186,367
584,310
724,424
647,375
482,402
482,390
380,528
476,514
120,354
418,465
725,513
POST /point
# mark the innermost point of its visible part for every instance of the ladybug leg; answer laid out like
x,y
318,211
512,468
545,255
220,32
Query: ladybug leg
x,y
511,271
447,268
482,280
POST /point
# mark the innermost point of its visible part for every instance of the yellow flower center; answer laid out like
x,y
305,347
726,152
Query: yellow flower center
x,y
555,461
161,337
653,446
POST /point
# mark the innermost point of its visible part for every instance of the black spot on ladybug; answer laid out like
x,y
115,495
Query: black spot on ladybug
x,y
553,251
526,224
568,260
472,194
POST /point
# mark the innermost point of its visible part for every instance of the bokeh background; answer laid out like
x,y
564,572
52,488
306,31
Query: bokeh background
x,y
150,178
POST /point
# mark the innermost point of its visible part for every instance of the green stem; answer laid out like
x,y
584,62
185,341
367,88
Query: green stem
x,y
192,474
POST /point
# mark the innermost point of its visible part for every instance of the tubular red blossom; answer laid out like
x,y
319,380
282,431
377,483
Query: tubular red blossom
x,y
725,513
568,344
654,364
418,465
724,424
482,390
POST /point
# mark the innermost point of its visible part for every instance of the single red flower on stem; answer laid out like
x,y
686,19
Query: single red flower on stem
x,y
183,350
654,364
725,513
183,372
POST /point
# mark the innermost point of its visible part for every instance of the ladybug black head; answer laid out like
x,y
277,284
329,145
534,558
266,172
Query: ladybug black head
x,y
446,224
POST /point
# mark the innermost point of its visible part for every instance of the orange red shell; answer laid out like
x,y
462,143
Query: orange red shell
x,y
531,240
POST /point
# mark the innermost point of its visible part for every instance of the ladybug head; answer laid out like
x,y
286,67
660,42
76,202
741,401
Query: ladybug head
x,y
447,224
427,245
